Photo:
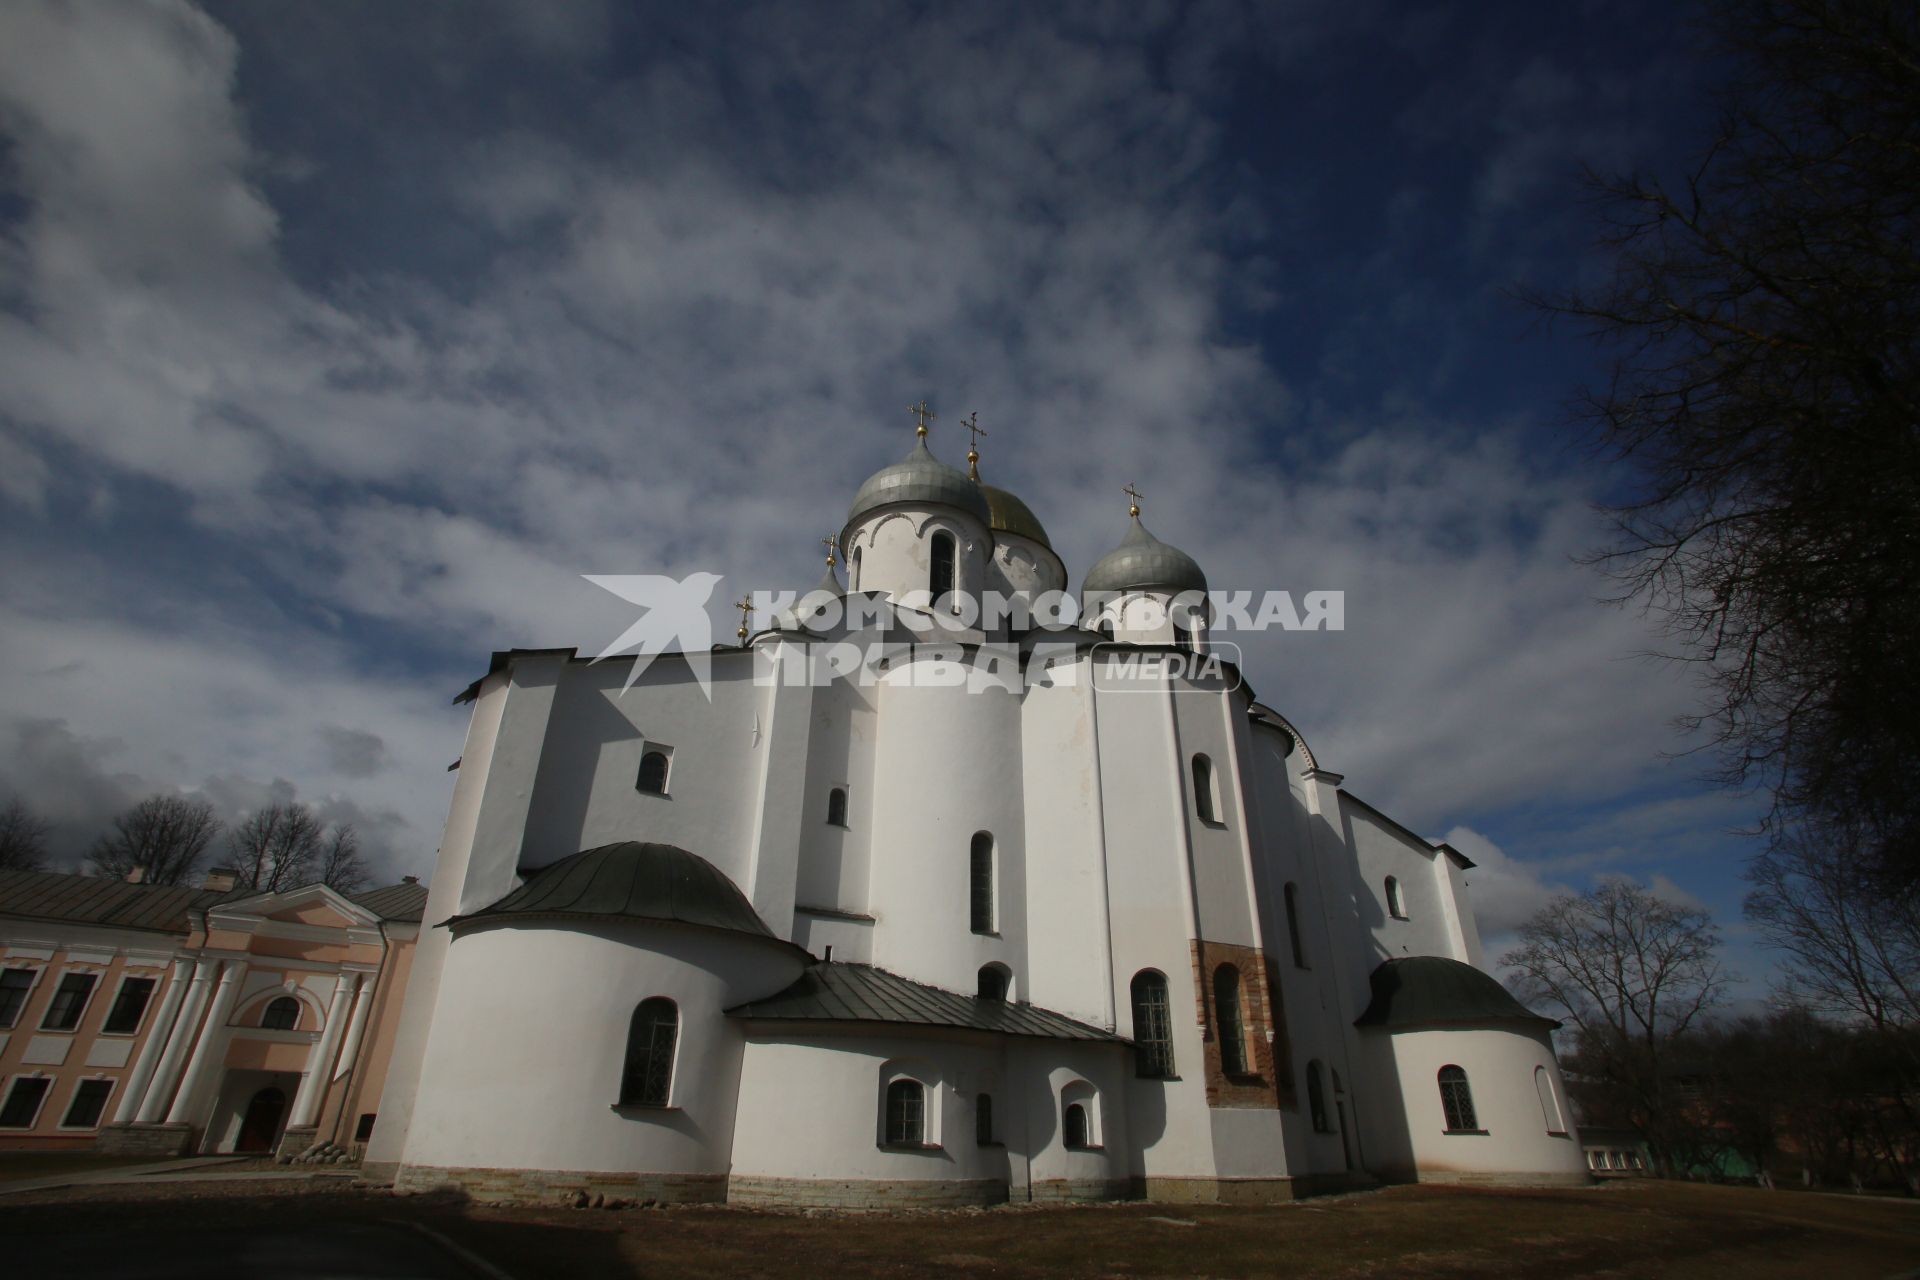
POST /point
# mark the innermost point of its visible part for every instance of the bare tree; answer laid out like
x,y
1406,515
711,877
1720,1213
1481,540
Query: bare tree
x,y
1632,972
164,836
283,846
1764,319
23,838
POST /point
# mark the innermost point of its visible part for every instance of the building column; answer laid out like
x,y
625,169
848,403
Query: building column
x,y
158,1034
211,1042
160,1089
356,1027
306,1102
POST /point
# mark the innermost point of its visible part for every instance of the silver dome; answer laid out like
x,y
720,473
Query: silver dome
x,y
1143,562
922,479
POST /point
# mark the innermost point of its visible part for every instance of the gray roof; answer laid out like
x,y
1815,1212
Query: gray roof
x,y
1142,561
922,479
78,899
1434,991
837,992
631,880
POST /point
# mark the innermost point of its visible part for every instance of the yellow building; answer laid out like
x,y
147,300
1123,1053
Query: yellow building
x,y
171,1019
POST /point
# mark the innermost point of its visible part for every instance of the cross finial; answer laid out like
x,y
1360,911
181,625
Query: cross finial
x,y
921,417
1133,500
746,616
832,544
972,424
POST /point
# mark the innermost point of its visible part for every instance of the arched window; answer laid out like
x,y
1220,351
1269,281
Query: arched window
x,y
983,1119
1549,1101
1152,1025
853,571
1317,1099
981,882
1203,795
647,1078
1396,905
1073,1126
1226,1015
1105,628
993,980
1456,1099
282,1014
653,773
940,574
1292,896
837,807
906,1114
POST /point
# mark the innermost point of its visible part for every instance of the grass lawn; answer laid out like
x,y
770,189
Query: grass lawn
x,y
1640,1229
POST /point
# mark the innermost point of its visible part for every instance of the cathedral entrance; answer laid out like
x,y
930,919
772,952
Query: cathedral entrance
x,y
262,1123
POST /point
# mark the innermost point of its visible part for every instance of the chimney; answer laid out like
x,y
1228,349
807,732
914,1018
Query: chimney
x,y
136,875
221,879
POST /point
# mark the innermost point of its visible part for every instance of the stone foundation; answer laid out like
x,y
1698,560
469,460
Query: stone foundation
x,y
509,1186
1246,1191
160,1141
859,1193
1069,1190
294,1141
1457,1179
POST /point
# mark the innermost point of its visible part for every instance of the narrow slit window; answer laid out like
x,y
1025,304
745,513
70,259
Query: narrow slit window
x,y
983,1119
1292,896
1456,1099
646,1078
1317,1098
1396,904
1203,797
981,883
940,573
1228,1019
837,807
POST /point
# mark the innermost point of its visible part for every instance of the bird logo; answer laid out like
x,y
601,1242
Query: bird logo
x,y
673,619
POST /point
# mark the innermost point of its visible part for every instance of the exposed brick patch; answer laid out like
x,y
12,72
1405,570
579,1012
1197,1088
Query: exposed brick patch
x,y
508,1186
1263,1085
860,1193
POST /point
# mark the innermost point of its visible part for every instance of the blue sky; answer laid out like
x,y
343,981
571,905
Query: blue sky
x,y
339,340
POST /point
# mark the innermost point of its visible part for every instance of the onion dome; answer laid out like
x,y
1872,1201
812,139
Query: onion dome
x,y
1007,514
1142,562
922,479
630,880
1415,992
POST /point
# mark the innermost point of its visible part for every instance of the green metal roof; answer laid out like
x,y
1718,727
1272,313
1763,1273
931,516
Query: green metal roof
x,y
631,880
836,992
1413,992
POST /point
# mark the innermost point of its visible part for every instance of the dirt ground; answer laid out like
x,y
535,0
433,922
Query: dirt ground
x,y
1636,1229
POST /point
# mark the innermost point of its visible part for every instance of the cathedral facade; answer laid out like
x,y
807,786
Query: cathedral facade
x,y
891,937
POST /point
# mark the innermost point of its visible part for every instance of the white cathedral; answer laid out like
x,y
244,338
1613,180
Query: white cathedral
x,y
745,935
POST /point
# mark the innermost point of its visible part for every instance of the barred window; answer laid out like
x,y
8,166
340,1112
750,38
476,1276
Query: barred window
x,y
1152,1025
1456,1099
281,1015
1227,1017
993,982
69,1002
129,1006
906,1114
940,576
981,878
647,1078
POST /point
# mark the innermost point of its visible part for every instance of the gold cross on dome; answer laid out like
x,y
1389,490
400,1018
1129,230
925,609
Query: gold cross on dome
x,y
921,417
832,544
1133,500
746,617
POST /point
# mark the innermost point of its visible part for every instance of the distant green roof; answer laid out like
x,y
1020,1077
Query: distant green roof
x,y
631,880
1433,991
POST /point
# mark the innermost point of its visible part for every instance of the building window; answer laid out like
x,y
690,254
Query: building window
x,y
906,1114
129,1006
853,571
837,807
89,1100
69,1002
993,981
1317,1099
1226,1015
1073,1127
1549,1102
1292,896
940,575
647,1077
983,1119
653,773
23,1102
1152,1025
363,1131
14,986
1205,801
1456,1099
1396,905
282,1014
981,879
